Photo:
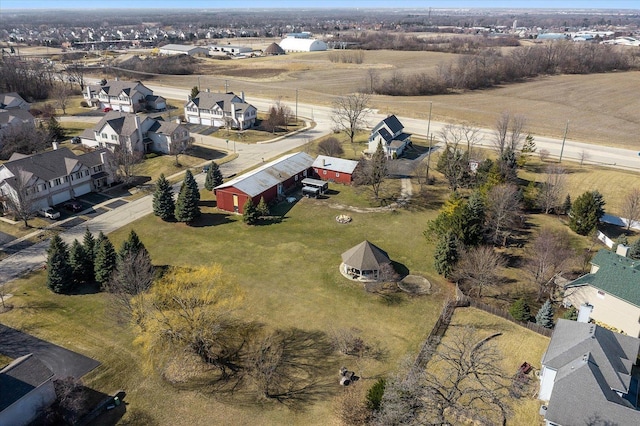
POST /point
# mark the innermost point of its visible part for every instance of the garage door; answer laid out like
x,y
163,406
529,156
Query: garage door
x,y
60,197
82,189
207,122
126,108
194,120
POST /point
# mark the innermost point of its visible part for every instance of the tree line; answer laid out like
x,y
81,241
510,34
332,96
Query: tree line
x,y
489,68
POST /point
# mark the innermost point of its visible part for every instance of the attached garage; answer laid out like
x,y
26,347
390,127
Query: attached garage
x,y
60,197
82,189
194,120
206,122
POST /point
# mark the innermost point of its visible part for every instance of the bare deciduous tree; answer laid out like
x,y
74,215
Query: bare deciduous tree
x,y
178,148
132,277
403,401
62,93
18,199
583,156
479,267
350,113
455,135
509,132
549,253
76,72
630,208
24,139
124,162
330,147
551,190
350,406
502,212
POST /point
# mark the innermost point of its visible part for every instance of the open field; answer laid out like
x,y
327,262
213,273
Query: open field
x,y
518,345
289,271
600,107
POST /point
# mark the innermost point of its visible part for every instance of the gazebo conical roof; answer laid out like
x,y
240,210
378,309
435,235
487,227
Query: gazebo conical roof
x,y
365,257
274,49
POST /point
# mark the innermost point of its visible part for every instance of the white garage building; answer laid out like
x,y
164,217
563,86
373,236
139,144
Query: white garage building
x,y
294,44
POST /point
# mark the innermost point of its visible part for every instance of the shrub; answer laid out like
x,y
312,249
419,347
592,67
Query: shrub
x,y
374,395
84,104
520,310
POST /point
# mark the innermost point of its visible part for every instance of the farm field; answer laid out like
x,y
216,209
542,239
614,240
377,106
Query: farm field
x,y
289,271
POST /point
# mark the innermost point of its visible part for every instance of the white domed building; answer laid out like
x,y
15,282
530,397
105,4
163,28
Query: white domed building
x,y
294,44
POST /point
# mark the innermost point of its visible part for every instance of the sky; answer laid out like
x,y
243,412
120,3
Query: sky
x,y
324,4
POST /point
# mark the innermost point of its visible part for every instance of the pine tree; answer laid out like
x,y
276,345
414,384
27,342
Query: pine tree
x,y
163,205
194,92
249,212
214,177
56,132
132,245
446,255
190,180
634,249
520,310
89,245
59,274
374,394
105,260
78,260
566,206
467,222
586,212
262,208
544,317
187,205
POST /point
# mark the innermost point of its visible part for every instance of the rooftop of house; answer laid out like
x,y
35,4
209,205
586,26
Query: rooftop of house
x,y
20,377
391,123
11,100
208,100
616,275
341,165
269,175
592,365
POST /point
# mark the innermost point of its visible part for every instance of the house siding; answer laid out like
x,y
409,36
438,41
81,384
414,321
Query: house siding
x,y
331,175
607,308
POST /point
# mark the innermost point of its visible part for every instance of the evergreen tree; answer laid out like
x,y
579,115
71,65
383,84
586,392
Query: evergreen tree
x,y
132,245
79,262
59,273
194,92
446,255
249,212
262,208
378,170
89,245
544,317
105,260
187,205
374,394
520,310
634,249
214,177
571,314
56,132
467,222
566,206
508,165
163,205
586,212
190,180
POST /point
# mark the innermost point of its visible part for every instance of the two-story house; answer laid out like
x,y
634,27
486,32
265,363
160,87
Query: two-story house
x,y
128,130
127,96
586,377
56,176
390,133
220,109
611,291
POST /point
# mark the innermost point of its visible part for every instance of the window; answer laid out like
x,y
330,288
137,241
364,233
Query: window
x,y
66,178
324,172
57,182
296,178
104,136
337,174
114,137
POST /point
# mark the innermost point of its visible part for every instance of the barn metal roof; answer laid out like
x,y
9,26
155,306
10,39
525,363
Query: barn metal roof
x,y
340,165
257,181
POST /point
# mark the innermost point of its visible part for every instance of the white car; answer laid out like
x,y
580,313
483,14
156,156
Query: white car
x,y
50,213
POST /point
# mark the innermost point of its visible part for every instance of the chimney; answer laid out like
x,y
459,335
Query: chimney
x,y
622,250
207,90
324,162
178,120
55,145
242,95
584,313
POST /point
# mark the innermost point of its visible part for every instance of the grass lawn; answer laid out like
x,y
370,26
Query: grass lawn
x,y
289,271
518,345
75,128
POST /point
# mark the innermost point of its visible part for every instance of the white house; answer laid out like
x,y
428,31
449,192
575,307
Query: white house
x,y
147,135
586,377
390,133
53,177
127,96
611,291
183,49
216,109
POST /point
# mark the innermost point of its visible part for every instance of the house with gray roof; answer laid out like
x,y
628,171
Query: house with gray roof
x,y
26,387
220,110
136,134
53,177
390,133
586,376
611,290
15,117
12,100
127,96
271,181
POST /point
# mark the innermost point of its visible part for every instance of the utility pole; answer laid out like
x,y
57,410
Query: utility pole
x,y
226,86
296,107
429,157
564,138
429,123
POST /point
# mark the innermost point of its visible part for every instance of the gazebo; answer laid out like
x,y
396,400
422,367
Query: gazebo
x,y
273,49
364,262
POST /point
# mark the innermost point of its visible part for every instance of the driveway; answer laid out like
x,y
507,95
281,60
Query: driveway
x,y
61,361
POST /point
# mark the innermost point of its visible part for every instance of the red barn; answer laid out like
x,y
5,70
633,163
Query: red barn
x,y
334,169
270,181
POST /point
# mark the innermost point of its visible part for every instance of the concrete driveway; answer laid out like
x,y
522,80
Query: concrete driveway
x,y
61,361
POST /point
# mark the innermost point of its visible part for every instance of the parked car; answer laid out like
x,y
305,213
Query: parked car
x,y
205,169
49,212
73,206
75,140
107,109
